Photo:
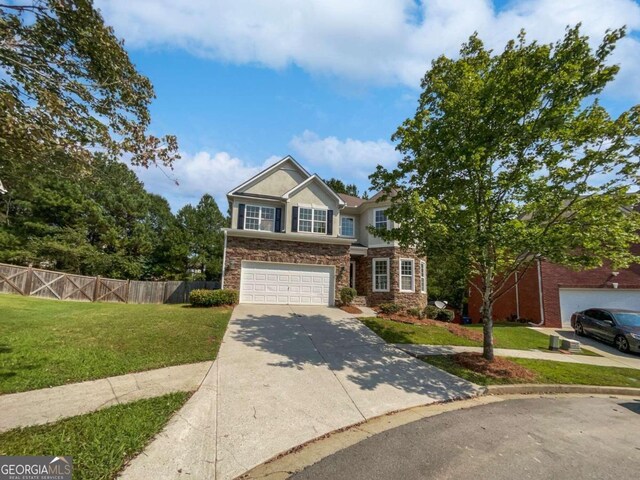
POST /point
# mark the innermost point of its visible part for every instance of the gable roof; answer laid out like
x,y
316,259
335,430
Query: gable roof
x,y
267,171
318,180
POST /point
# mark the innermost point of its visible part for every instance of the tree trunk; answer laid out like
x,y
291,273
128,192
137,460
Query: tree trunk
x,y
487,324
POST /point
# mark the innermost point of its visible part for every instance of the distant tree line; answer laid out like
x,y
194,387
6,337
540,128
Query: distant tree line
x,y
96,218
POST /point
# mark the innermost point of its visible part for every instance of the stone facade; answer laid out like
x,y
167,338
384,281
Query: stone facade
x,y
364,280
282,251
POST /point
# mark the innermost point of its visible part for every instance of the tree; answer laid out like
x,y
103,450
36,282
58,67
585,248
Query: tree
x,y
68,86
339,186
202,232
510,157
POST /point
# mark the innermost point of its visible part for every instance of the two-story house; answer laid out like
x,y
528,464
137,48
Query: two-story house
x,y
293,240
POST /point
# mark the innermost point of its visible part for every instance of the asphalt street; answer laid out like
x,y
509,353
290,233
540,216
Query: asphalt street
x,y
537,438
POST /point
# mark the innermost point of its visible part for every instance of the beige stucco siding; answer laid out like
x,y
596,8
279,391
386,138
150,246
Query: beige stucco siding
x,y
258,203
313,195
278,182
366,238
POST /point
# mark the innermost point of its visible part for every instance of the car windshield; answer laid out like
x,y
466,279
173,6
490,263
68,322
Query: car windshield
x,y
628,319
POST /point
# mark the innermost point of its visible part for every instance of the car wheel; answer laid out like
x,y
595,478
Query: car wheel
x,y
622,344
579,329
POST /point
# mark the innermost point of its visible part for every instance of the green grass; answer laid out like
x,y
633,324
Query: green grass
x,y
50,342
515,336
99,442
548,372
397,332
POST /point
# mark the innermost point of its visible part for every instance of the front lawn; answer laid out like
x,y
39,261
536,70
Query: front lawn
x,y
99,442
397,332
50,342
516,336
546,371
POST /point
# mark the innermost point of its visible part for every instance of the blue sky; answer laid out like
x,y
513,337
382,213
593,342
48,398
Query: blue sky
x,y
242,83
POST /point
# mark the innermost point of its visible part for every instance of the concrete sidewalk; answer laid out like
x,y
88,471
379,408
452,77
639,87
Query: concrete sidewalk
x,y
630,360
38,407
284,376
432,350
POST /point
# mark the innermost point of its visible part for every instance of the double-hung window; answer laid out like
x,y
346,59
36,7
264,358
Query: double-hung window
x,y
407,275
380,219
347,227
380,274
259,218
423,276
312,220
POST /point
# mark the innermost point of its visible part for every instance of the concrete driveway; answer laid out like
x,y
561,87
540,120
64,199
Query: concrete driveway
x,y
579,437
289,374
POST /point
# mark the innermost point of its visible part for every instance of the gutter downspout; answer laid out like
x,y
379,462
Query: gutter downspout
x,y
517,296
224,260
539,324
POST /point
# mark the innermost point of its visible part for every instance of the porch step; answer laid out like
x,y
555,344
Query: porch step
x,y
360,301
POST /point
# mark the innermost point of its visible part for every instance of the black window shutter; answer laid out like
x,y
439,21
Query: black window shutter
x,y
278,226
241,216
294,219
330,222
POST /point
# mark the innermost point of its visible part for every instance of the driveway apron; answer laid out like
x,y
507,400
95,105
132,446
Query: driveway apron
x,y
289,374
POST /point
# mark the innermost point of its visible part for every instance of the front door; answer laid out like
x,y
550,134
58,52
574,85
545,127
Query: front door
x,y
352,274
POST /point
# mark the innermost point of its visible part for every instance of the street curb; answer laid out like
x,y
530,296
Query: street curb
x,y
532,389
292,461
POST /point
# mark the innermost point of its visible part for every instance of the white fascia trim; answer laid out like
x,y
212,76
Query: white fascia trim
x,y
233,196
413,275
291,237
268,170
373,274
312,178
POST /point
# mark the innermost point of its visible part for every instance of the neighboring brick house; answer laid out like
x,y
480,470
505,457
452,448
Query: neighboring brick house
x,y
293,240
548,293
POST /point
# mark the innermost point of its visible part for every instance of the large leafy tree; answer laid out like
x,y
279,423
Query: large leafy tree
x,y
339,186
68,86
203,238
510,157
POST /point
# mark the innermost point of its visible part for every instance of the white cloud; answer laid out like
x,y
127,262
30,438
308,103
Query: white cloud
x,y
217,173
198,174
377,41
346,159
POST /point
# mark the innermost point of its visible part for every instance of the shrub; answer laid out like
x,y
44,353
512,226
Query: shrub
x,y
213,298
347,294
435,313
415,312
389,308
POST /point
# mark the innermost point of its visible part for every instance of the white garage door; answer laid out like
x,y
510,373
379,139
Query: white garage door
x,y
282,283
575,300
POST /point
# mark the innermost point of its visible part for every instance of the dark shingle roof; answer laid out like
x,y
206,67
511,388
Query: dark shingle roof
x,y
350,200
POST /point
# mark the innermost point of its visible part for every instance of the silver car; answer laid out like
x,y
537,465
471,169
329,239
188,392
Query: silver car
x,y
620,327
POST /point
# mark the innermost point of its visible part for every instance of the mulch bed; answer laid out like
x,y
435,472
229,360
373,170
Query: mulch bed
x,y
500,367
350,309
454,328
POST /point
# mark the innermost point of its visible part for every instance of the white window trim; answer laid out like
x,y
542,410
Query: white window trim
x,y
423,276
354,226
260,208
373,270
375,210
413,275
313,221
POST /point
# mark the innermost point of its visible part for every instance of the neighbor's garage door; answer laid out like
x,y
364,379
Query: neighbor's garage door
x,y
286,284
575,300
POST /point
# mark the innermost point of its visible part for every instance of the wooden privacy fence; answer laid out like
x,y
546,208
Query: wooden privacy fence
x,y
35,282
